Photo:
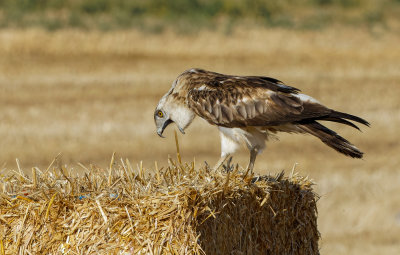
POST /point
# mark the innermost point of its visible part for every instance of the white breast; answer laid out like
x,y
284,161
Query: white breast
x,y
232,138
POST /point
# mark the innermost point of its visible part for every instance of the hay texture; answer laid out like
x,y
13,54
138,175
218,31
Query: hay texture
x,y
180,209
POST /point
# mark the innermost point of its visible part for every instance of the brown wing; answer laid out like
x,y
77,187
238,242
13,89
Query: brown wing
x,y
239,101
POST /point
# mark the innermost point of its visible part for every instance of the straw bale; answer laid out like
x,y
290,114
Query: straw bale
x,y
181,209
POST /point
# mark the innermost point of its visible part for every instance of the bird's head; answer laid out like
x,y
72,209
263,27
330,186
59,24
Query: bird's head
x,y
169,110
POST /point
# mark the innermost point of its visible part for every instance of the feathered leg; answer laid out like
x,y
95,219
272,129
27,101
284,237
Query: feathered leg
x,y
229,145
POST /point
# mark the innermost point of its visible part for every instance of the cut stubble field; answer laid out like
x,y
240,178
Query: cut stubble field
x,y
89,94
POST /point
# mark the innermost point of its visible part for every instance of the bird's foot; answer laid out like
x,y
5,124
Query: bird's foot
x,y
220,162
228,167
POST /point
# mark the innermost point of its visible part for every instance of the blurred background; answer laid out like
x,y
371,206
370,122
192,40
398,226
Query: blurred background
x,y
82,78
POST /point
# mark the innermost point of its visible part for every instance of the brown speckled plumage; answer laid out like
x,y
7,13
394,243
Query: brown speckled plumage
x,y
260,104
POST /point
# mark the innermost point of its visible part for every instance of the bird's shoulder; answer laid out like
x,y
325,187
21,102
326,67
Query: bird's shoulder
x,y
203,81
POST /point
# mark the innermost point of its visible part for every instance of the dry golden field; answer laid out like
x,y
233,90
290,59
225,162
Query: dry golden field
x,y
88,94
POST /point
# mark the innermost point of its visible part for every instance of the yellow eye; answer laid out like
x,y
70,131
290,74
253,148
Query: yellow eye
x,y
160,114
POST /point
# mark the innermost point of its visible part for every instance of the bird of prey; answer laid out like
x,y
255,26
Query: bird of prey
x,y
248,110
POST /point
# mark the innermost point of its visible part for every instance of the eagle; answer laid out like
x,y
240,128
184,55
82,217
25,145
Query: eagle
x,y
248,110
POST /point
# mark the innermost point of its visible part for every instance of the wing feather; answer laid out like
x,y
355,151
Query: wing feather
x,y
241,101
207,106
227,112
241,110
250,110
216,112
259,107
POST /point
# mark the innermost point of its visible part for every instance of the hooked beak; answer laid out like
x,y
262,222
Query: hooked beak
x,y
181,129
160,130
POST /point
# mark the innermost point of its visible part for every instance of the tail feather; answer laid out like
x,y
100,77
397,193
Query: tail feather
x,y
342,121
339,117
331,138
342,115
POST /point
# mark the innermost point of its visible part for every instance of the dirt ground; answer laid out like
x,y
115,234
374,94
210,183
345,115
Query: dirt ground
x,y
88,94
